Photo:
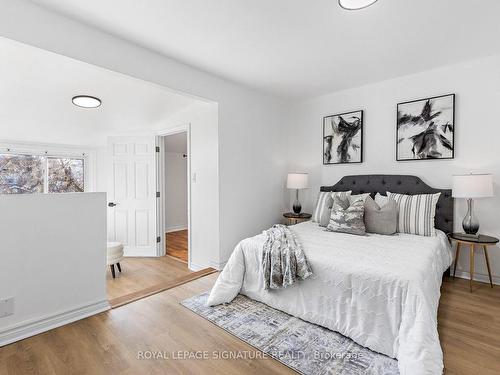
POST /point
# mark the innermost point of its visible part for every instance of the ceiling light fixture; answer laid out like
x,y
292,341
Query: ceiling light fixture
x,y
356,4
86,101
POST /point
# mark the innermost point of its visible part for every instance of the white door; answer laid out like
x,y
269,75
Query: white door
x,y
132,194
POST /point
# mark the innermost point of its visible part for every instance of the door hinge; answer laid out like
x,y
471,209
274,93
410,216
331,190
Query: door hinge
x,y
157,194
158,239
157,148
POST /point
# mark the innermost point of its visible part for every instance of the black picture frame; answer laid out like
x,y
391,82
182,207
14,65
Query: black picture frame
x,y
399,138
341,159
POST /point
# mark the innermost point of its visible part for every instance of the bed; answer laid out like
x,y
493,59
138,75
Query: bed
x,y
381,291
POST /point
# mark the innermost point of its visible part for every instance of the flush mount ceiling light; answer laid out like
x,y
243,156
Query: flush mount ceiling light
x,y
86,101
356,4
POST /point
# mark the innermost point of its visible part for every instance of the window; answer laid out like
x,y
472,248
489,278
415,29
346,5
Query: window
x,y
21,174
25,174
65,175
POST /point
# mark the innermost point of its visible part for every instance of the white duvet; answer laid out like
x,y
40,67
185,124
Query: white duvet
x,y
381,291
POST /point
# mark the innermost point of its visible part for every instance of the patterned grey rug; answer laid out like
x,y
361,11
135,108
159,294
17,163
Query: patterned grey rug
x,y
305,347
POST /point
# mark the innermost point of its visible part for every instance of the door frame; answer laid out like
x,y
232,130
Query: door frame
x,y
160,185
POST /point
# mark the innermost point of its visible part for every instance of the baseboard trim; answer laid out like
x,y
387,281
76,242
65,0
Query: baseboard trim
x,y
176,228
195,267
218,265
215,265
478,277
36,326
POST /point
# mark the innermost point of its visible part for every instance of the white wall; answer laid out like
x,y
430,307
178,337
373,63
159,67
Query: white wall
x,y
203,141
250,129
477,88
176,189
53,260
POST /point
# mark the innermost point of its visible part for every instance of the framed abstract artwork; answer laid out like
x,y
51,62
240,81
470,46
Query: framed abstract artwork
x,y
343,138
426,129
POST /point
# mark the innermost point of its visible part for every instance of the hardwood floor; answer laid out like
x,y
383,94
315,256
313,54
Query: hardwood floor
x,y
177,244
157,288
109,343
140,273
142,277
469,328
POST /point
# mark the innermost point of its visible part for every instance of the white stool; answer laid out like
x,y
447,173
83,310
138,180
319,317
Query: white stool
x,y
114,255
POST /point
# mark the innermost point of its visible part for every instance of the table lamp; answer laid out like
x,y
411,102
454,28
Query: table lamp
x,y
296,181
471,186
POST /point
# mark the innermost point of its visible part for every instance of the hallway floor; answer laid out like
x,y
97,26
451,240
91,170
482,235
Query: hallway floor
x,y
177,245
142,277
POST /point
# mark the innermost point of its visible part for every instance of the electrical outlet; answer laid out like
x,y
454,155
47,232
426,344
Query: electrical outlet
x,y
6,307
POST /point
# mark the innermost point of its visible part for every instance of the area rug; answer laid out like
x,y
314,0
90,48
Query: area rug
x,y
305,347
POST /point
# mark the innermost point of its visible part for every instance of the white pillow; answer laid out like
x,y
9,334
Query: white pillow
x,y
416,213
381,200
357,197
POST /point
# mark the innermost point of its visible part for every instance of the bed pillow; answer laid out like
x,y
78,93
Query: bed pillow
x,y
416,213
357,197
323,204
381,200
325,218
381,220
354,198
347,217
325,214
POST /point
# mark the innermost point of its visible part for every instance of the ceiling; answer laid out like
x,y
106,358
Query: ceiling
x,y
176,143
37,87
300,48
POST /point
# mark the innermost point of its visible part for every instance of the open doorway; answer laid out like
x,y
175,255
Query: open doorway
x,y
173,211
175,191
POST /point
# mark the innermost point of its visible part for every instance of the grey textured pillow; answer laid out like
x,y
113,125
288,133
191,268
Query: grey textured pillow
x,y
346,218
381,220
326,213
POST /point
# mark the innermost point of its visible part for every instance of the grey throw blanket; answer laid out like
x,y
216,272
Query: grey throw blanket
x,y
283,261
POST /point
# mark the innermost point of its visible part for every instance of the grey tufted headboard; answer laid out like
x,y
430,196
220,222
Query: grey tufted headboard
x,y
404,184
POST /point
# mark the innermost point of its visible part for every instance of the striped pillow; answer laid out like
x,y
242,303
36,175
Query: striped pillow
x,y
325,202
416,213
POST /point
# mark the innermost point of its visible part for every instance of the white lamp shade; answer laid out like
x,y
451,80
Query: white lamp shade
x,y
355,4
472,186
296,181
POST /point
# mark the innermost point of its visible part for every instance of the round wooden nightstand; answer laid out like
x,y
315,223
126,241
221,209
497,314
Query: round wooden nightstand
x,y
293,218
481,240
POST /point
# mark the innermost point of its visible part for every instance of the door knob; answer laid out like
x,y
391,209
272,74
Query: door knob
x,y
112,204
